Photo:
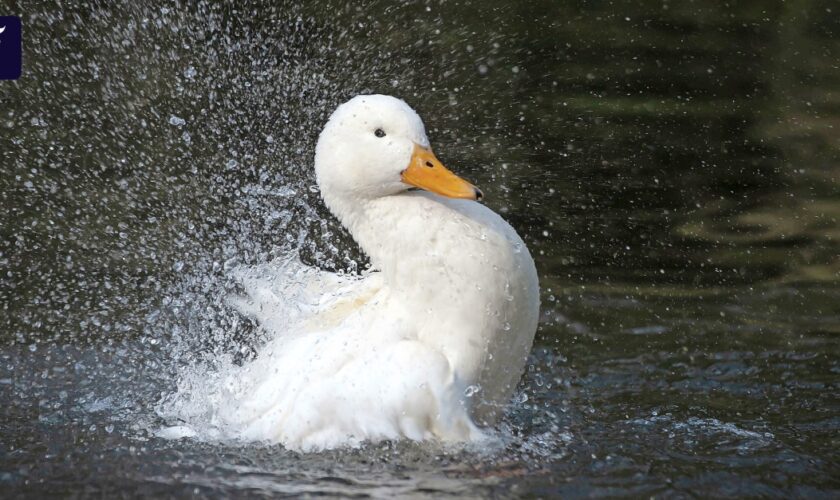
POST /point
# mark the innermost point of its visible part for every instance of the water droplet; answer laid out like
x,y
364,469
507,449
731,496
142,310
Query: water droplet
x,y
471,390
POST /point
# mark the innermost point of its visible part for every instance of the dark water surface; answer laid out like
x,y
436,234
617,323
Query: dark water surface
x,y
673,166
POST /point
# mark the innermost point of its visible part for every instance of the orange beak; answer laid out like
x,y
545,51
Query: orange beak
x,y
425,171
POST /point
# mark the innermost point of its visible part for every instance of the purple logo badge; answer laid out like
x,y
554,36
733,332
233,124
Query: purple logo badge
x,y
10,48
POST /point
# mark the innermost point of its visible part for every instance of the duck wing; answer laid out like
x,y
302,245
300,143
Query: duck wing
x,y
286,296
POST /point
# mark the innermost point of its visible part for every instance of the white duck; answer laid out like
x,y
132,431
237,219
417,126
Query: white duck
x,y
426,347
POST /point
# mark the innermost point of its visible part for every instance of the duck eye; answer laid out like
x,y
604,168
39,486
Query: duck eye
x,y
379,133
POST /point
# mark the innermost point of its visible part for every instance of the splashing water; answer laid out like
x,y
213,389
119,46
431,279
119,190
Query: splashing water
x,y
187,134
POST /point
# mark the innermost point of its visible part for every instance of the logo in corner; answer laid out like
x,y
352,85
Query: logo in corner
x,y
11,51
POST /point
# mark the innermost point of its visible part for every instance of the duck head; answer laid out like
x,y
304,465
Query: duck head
x,y
375,146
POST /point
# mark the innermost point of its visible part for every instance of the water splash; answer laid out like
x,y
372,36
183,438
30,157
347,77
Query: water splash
x,y
189,156
196,161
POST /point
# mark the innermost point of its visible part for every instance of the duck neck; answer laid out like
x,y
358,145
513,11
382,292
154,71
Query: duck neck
x,y
366,224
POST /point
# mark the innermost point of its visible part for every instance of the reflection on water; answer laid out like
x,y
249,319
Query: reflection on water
x,y
674,168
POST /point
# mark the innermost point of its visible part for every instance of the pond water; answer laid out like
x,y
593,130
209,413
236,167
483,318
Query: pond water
x,y
674,168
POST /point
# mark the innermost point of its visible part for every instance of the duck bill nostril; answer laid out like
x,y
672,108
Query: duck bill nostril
x,y
425,171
